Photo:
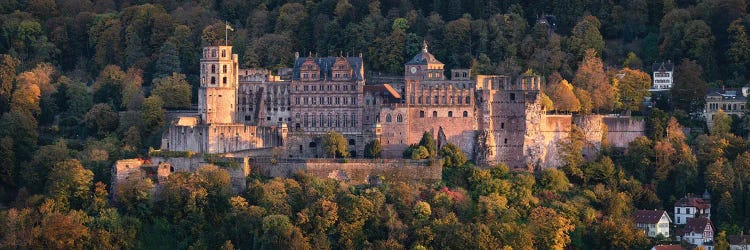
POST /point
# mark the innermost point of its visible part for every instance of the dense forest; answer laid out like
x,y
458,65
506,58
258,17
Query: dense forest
x,y
85,83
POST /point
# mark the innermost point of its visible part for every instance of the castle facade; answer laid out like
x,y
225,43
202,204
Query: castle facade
x,y
492,118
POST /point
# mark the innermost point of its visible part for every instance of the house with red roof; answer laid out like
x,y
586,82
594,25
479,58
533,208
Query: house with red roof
x,y
668,247
652,222
689,207
739,242
697,231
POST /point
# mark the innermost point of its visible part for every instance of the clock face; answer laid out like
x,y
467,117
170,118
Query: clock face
x,y
413,69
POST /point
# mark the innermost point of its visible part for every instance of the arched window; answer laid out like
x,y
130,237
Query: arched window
x,y
434,113
421,113
213,68
450,113
224,80
399,118
466,114
213,80
388,118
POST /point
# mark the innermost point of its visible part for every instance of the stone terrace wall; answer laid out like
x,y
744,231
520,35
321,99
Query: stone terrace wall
x,y
355,171
554,128
624,129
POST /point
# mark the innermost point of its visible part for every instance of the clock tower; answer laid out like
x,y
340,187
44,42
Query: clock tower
x,y
424,67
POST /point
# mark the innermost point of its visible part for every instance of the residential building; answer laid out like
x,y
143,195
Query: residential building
x,y
730,100
697,231
690,207
739,242
653,222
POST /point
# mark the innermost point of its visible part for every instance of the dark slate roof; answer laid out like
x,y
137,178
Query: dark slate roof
x,y
424,57
726,93
739,239
696,225
691,201
648,216
325,64
663,66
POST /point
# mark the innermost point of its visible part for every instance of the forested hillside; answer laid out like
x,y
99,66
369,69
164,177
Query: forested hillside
x,y
85,83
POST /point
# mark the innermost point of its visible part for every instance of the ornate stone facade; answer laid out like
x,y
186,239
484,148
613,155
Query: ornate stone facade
x,y
493,118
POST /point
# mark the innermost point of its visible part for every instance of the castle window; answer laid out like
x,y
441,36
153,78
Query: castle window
x,y
338,120
330,119
346,121
224,68
213,68
434,114
399,118
354,120
419,100
213,80
296,100
314,76
512,96
312,144
223,53
304,88
352,142
224,80
305,75
436,100
468,99
505,141
502,125
388,118
213,53
466,113
322,120
314,121
306,121
421,113
450,113
313,88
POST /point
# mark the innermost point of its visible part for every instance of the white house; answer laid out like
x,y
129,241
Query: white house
x,y
662,76
739,242
689,207
698,231
653,222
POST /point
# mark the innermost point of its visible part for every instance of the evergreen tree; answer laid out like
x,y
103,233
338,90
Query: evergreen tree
x,y
169,60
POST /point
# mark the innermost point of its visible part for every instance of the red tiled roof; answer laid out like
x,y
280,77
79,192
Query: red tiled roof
x,y
691,201
696,225
648,216
668,247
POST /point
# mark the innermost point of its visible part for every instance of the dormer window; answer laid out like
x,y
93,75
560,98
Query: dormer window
x,y
305,76
314,76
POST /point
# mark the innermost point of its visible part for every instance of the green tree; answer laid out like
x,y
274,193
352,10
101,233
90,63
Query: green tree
x,y
174,90
334,144
550,228
152,114
739,49
135,195
428,141
373,149
8,66
70,184
720,242
101,119
280,233
585,35
108,87
168,60
689,90
722,124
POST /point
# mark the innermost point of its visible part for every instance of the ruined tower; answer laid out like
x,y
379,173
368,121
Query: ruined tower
x,y
217,95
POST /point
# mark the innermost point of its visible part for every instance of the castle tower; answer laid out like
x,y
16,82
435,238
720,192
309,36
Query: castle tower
x,y
217,95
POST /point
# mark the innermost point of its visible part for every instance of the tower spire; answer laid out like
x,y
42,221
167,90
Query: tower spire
x,y
424,45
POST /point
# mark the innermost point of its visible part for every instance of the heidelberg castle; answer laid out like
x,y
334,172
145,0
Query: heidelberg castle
x,y
492,118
